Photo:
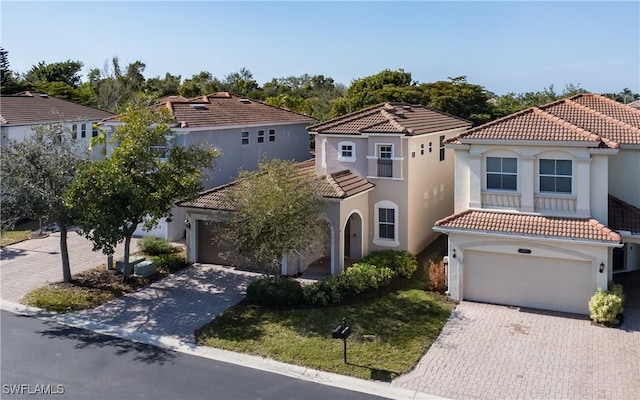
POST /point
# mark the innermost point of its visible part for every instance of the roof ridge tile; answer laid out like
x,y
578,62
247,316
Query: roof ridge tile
x,y
606,117
565,123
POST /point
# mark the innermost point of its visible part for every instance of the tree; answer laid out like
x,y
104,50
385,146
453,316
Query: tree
x,y
158,87
199,85
57,79
460,98
35,175
510,103
139,182
241,83
277,212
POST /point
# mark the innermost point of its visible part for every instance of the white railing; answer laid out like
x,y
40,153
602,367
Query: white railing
x,y
500,200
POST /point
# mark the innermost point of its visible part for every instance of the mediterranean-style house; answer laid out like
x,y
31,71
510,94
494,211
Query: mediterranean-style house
x,y
547,205
386,178
245,131
21,112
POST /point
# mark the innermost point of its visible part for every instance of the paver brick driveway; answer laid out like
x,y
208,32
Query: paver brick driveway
x,y
497,352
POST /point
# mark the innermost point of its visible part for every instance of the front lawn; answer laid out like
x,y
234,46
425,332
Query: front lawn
x,y
18,234
392,329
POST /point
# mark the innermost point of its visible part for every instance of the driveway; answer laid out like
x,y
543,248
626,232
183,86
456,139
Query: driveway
x,y
496,352
177,305
33,263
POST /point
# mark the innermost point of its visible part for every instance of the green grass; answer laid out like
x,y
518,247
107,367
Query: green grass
x,y
66,298
392,329
18,234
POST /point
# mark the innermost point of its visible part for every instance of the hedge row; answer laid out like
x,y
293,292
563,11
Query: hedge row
x,y
375,271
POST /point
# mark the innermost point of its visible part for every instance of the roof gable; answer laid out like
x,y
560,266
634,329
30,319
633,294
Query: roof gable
x,y
392,118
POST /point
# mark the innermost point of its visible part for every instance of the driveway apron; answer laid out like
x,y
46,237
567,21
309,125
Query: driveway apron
x,y
497,352
177,305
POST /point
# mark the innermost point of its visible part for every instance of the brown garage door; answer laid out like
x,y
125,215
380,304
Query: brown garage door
x,y
210,249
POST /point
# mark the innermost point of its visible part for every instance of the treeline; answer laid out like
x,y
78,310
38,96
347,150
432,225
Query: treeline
x,y
114,86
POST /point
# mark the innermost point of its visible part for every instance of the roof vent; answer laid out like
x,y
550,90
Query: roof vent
x,y
408,108
44,95
198,106
244,100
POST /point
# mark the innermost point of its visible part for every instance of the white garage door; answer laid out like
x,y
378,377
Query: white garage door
x,y
528,281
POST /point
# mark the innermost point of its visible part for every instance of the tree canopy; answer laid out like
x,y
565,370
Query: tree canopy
x,y
35,174
139,182
277,212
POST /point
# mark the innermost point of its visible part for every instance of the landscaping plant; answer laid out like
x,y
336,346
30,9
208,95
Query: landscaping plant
x,y
606,305
437,276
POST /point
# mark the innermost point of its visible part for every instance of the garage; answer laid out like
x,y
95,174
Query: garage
x,y
528,281
209,248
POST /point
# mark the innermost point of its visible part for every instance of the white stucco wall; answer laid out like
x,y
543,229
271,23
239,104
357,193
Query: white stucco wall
x,y
624,176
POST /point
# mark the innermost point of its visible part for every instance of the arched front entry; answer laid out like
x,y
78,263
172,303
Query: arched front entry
x,y
352,238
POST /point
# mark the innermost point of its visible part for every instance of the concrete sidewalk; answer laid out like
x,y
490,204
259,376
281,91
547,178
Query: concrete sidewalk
x,y
33,263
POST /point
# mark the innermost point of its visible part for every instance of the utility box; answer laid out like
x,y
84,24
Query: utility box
x,y
133,260
144,268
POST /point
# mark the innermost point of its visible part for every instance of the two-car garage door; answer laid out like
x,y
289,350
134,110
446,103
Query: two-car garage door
x,y
528,281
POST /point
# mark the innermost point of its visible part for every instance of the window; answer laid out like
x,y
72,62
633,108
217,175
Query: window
x,y
422,149
74,131
502,173
385,164
245,137
555,176
83,131
160,152
386,224
260,136
442,148
430,147
94,131
272,135
347,151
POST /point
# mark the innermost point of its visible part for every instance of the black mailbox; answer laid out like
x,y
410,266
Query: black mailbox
x,y
337,333
345,332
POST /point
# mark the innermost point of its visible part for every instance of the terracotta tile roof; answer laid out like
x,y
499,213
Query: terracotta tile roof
x,y
623,216
37,108
226,109
590,118
530,225
634,104
393,117
339,185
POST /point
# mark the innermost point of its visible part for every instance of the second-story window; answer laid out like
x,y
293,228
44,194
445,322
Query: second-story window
x,y
83,131
161,152
385,163
94,131
245,137
260,136
502,173
74,131
555,176
442,148
272,135
347,151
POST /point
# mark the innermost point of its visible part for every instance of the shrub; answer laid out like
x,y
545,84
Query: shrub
x,y
154,246
605,307
170,262
401,262
437,277
357,279
616,288
273,291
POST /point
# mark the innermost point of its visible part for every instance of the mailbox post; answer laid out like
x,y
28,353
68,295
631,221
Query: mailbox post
x,y
342,332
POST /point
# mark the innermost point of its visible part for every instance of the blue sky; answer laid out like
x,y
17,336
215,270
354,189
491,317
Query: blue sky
x,y
514,46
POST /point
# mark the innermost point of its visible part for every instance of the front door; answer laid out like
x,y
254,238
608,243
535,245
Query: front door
x,y
347,239
618,259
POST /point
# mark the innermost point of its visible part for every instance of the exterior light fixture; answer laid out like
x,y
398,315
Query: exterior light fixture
x,y
187,223
453,253
601,267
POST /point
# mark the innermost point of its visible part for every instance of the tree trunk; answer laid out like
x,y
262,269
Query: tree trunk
x,y
64,253
126,272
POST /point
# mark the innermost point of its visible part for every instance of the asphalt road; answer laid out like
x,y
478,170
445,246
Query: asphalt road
x,y
69,363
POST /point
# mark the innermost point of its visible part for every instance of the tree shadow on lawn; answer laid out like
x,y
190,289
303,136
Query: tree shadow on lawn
x,y
86,339
377,374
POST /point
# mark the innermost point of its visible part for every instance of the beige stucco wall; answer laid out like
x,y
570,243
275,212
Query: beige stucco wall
x,y
624,176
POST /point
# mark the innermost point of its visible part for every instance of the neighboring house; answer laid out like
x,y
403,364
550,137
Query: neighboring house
x,y
21,112
246,131
546,205
635,104
387,178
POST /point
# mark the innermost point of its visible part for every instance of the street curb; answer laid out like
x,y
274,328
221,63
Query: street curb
x,y
245,360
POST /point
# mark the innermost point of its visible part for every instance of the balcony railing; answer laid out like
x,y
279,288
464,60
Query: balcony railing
x,y
385,168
